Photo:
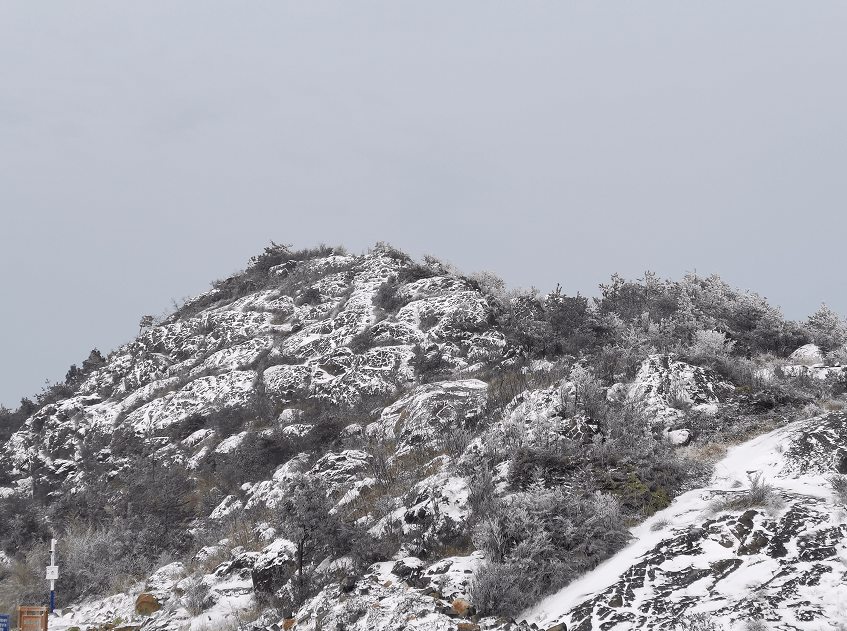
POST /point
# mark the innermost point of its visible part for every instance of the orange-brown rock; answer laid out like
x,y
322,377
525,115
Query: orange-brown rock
x,y
461,606
146,604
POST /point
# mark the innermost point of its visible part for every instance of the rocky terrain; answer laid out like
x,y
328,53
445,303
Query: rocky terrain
x,y
330,441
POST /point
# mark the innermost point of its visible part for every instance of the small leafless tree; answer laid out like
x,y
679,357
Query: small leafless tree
x,y
145,323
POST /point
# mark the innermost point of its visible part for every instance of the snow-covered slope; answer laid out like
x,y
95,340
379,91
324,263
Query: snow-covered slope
x,y
783,560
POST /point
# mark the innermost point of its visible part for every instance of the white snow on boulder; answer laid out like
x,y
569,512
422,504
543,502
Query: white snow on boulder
x,y
230,444
807,354
420,419
667,386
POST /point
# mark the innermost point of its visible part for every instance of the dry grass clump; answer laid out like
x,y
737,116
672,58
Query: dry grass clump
x,y
707,453
759,494
697,622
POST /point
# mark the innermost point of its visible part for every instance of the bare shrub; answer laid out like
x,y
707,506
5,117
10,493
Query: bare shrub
x,y
838,482
21,583
97,561
481,491
660,524
239,526
196,598
740,371
455,440
379,465
678,398
505,386
389,296
589,393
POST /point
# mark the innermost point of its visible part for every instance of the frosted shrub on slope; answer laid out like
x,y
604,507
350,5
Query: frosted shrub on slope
x,y
838,482
538,541
826,329
710,344
760,493
307,519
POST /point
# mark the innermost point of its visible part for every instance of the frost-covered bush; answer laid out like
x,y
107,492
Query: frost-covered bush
x,y
96,561
492,287
389,297
503,589
711,345
760,493
837,356
538,541
589,394
21,584
481,491
826,329
305,517
838,482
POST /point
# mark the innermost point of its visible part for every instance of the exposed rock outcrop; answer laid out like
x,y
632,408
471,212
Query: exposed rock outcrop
x,y
667,386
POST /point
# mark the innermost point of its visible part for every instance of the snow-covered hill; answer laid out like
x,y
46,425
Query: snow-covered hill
x,y
328,441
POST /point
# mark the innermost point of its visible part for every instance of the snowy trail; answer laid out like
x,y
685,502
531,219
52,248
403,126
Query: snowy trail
x,y
763,454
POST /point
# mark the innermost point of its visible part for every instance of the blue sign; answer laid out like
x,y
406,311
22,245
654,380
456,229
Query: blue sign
x,y
4,622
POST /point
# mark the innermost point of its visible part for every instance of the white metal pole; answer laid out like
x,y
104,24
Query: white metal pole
x,y
52,562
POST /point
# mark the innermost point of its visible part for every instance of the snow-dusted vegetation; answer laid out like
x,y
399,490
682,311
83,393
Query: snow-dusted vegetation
x,y
328,441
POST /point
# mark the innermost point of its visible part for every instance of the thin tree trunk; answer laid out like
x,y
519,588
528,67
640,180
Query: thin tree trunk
x,y
300,545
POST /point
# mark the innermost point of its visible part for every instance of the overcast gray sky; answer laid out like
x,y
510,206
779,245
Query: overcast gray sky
x,y
149,148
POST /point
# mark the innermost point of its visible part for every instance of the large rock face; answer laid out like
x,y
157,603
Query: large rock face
x,y
808,354
344,475
406,594
274,566
541,418
146,604
351,370
422,419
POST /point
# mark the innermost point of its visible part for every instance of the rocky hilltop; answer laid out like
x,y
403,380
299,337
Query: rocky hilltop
x,y
335,441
